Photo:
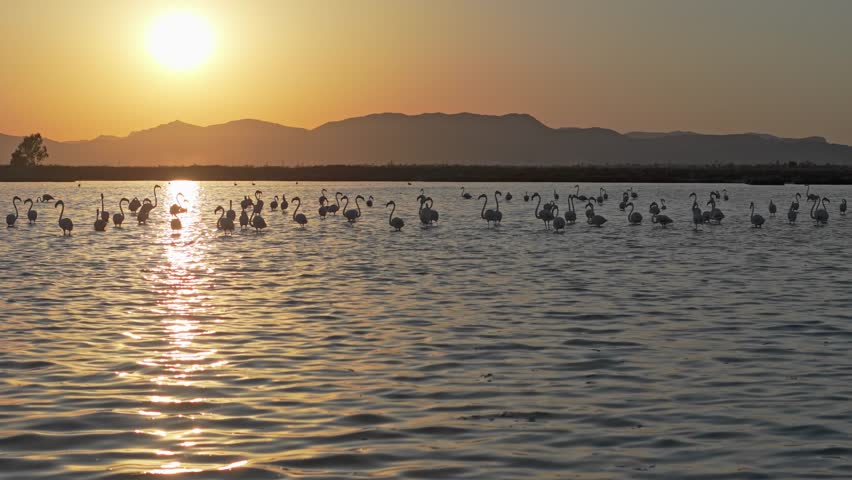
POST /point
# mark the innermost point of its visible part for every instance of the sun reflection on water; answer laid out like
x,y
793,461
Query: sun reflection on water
x,y
180,369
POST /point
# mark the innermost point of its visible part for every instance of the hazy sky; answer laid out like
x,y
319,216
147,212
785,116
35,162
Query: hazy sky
x,y
74,69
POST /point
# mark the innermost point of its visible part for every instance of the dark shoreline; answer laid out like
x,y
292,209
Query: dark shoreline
x,y
753,174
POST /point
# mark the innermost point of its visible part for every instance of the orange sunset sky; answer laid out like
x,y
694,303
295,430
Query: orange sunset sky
x,y
78,69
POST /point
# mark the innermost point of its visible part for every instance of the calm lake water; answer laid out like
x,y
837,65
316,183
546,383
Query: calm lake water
x,y
457,351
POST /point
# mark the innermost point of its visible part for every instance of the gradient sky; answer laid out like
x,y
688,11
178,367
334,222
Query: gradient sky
x,y
78,69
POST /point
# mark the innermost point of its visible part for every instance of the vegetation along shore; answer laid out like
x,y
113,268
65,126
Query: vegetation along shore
x,y
753,174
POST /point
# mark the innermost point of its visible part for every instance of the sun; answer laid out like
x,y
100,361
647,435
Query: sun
x,y
180,40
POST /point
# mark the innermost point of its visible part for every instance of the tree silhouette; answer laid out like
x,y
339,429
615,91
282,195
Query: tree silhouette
x,y
30,152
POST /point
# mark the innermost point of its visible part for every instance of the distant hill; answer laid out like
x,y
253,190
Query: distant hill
x,y
428,139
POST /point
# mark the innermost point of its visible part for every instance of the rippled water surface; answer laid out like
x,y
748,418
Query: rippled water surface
x,y
457,351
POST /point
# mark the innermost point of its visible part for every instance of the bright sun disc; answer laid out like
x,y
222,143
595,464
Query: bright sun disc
x,y
180,40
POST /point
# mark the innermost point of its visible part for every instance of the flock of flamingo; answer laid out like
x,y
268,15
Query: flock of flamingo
x,y
548,213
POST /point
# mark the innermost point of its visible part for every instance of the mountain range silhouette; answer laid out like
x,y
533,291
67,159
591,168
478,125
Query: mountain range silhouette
x,y
430,139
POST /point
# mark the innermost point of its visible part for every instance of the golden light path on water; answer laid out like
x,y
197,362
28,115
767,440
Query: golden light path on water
x,y
183,365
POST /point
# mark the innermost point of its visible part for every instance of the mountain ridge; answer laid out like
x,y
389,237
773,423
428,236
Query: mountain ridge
x,y
429,138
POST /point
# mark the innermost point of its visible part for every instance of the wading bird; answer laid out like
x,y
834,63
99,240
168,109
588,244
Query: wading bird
x,y
32,215
100,223
145,209
299,218
118,218
13,217
757,220
224,223
394,222
633,218
64,223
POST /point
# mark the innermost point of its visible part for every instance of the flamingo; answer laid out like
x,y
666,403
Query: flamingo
x,y
623,204
118,218
352,214
246,202
792,214
258,207
423,212
45,198
394,222
605,194
177,207
323,197
662,220
498,215
842,207
301,219
545,215
104,213
633,194
64,223
224,223
715,215
772,208
558,222
509,196
725,194
600,198
821,214
231,214
571,214
697,216
145,209
757,220
555,195
13,217
284,204
594,219
795,204
257,221
590,211
244,219
433,214
465,195
810,196
273,205
487,215
654,208
32,215
370,201
526,196
663,203
134,205
633,218
100,223
577,195
334,208
323,210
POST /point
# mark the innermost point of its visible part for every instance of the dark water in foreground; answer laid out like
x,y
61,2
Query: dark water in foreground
x,y
456,351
